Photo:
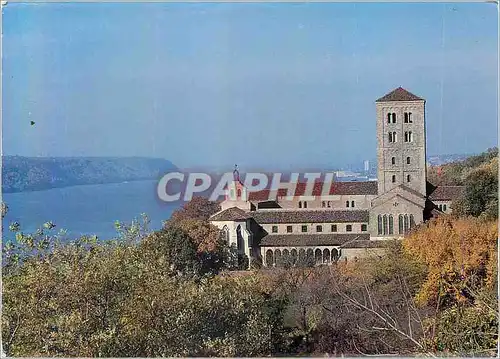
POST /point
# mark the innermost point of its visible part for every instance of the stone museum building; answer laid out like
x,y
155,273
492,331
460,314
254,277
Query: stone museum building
x,y
352,219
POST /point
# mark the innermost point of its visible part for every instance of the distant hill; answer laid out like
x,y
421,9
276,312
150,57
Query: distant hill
x,y
39,173
444,159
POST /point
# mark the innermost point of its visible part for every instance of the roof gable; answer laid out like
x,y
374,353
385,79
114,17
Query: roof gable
x,y
399,94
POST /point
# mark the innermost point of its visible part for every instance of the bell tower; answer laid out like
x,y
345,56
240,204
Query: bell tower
x,y
401,143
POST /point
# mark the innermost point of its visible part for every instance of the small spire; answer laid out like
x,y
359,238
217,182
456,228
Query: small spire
x,y
236,173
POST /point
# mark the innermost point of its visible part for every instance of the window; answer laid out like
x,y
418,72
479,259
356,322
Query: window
x,y
412,221
239,193
393,160
389,115
440,207
329,204
406,117
300,204
401,224
275,229
384,221
394,137
348,228
393,178
408,160
334,228
304,228
289,229
390,137
406,224
323,204
379,224
410,120
391,224
347,203
393,117
444,207
305,204
408,178
352,203
406,136
364,228
319,228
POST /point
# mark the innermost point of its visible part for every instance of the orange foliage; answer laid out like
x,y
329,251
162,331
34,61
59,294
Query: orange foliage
x,y
459,253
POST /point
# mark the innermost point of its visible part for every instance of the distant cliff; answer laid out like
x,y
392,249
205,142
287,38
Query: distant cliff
x,y
38,173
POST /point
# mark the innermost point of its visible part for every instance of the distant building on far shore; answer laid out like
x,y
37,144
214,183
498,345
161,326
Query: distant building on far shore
x,y
367,166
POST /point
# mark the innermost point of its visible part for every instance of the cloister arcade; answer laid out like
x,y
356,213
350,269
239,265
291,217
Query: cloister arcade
x,y
292,256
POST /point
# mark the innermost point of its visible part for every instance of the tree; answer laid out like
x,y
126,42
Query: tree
x,y
198,208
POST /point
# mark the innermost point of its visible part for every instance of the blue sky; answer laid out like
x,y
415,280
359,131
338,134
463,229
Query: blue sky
x,y
261,85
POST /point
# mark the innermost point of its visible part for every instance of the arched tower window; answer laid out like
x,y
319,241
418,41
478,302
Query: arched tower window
x,y
408,160
393,178
393,160
391,224
379,218
347,203
410,136
408,178
384,220
390,137
401,231
406,136
352,203
388,118
393,117
394,137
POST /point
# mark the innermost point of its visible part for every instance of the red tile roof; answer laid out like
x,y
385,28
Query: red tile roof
x,y
336,188
230,214
399,94
311,216
446,193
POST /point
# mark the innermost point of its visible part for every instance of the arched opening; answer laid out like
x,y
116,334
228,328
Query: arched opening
x,y
302,257
293,256
412,220
239,240
326,256
408,160
225,234
379,218
318,257
335,255
390,136
384,220
323,204
277,258
300,204
393,160
286,258
391,224
305,204
347,203
406,224
401,228
393,178
394,137
239,193
269,258
393,117
388,118
408,178
310,257
352,203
